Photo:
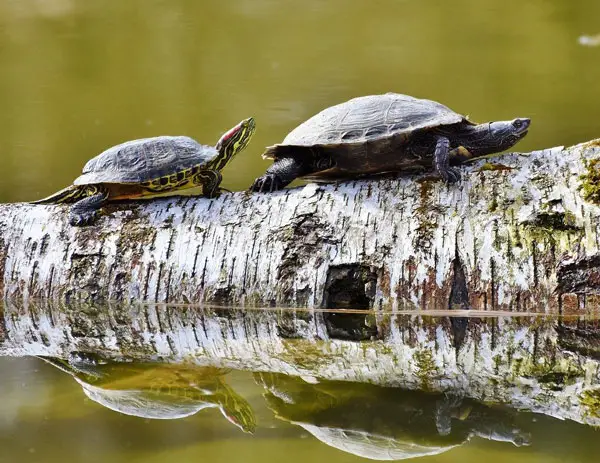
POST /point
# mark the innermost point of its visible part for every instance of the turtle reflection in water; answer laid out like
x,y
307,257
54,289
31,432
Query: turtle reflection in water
x,y
159,391
384,423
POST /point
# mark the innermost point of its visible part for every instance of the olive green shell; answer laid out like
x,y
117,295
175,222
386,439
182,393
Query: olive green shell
x,y
145,159
373,118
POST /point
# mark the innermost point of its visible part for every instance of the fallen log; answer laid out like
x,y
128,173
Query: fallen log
x,y
518,233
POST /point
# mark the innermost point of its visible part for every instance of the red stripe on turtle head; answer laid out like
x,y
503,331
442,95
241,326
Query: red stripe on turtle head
x,y
231,132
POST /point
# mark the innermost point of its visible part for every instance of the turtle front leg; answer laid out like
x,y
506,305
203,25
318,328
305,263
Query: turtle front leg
x,y
441,161
85,211
210,181
281,173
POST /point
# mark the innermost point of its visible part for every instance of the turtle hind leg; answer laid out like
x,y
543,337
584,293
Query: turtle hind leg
x,y
85,211
281,173
441,161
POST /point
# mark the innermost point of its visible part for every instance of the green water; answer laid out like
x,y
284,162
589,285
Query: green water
x,y
77,77
103,383
46,417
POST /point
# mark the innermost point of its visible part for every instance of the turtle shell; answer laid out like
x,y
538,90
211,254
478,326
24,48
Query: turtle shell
x,y
376,446
158,391
145,159
369,118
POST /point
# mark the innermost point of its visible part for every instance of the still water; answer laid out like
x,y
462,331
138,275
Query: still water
x,y
49,416
160,383
77,77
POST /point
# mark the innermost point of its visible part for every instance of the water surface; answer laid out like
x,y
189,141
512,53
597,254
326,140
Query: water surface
x,y
78,77
97,382
46,417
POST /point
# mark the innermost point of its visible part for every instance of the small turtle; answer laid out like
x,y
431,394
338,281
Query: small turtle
x,y
158,391
383,133
150,166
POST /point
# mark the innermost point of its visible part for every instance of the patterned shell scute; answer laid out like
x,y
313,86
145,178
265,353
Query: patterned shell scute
x,y
145,159
371,117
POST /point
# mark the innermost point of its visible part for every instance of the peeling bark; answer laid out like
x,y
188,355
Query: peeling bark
x,y
517,235
545,364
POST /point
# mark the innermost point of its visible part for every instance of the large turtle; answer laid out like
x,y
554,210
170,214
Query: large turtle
x,y
382,423
150,166
158,391
383,133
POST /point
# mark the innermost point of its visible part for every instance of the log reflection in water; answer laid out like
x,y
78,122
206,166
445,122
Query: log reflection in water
x,y
542,364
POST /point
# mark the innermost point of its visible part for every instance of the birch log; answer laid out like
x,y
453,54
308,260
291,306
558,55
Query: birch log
x,y
541,363
519,233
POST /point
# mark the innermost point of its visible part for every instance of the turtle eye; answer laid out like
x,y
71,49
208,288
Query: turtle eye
x,y
521,124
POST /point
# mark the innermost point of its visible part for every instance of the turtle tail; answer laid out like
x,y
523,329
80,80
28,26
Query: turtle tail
x,y
67,195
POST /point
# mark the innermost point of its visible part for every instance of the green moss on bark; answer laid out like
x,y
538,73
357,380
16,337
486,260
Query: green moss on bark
x,y
590,181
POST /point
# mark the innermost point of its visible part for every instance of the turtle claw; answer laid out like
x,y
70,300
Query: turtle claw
x,y
85,211
268,183
82,219
450,175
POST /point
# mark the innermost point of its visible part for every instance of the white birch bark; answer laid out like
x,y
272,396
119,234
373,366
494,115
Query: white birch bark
x,y
521,238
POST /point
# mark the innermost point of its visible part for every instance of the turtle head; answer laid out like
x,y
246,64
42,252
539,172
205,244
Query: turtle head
x,y
497,136
235,139
508,133
239,413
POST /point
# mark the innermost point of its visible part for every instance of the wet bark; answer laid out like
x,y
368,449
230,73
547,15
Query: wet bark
x,y
518,233
544,364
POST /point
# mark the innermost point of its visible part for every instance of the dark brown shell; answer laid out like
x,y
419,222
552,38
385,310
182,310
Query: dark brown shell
x,y
368,119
